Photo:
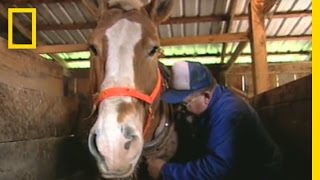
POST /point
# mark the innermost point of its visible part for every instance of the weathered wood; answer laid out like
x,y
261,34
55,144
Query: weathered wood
x,y
28,70
49,159
239,92
286,112
30,114
235,81
231,37
74,26
275,68
290,125
258,47
285,78
61,48
302,74
291,38
294,91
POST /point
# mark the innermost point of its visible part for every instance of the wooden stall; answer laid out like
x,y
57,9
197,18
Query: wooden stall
x,y
240,76
286,111
36,120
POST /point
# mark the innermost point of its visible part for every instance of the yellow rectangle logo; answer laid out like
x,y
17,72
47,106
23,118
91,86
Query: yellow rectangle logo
x,y
33,44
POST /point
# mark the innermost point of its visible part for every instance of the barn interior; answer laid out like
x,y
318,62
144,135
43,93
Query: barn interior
x,y
260,49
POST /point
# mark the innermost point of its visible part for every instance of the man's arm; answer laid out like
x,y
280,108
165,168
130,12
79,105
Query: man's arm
x,y
219,161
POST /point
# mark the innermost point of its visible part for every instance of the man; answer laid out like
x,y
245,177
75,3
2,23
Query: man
x,y
235,143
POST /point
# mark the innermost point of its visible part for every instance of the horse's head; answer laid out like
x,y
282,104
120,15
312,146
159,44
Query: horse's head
x,y
125,49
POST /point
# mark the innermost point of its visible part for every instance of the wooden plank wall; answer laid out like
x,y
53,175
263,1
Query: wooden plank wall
x,y
36,120
287,113
26,69
279,74
78,82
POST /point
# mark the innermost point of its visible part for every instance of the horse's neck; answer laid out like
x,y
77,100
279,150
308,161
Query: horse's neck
x,y
165,71
164,143
153,122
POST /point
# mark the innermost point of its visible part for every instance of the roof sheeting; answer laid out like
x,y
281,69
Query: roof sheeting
x,y
75,12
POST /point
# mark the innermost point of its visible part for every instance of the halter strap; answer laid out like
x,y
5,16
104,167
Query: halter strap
x,y
123,91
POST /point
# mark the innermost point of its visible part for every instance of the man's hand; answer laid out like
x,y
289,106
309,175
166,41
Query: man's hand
x,y
154,167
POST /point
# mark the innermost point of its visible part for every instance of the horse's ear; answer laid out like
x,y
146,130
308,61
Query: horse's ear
x,y
159,10
102,7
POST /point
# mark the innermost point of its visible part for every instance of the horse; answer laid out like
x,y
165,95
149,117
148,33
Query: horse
x,y
132,122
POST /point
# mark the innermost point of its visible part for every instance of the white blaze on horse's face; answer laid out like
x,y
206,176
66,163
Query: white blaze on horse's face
x,y
122,38
118,137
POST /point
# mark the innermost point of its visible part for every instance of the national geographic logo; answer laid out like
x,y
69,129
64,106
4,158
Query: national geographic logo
x,y
33,12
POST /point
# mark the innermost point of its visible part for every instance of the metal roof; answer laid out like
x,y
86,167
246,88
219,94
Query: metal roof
x,y
69,12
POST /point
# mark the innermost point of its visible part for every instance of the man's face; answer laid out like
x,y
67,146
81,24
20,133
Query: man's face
x,y
196,104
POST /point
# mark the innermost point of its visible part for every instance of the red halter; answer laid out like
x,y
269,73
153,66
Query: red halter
x,y
123,91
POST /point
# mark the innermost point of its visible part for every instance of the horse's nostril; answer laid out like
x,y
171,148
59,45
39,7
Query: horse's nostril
x,y
93,147
128,144
94,142
128,132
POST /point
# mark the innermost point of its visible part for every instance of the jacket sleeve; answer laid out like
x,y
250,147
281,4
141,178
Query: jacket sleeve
x,y
219,161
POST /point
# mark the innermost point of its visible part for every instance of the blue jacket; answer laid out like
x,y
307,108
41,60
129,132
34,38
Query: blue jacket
x,y
236,144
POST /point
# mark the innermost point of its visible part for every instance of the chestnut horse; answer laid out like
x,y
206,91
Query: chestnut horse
x,y
131,121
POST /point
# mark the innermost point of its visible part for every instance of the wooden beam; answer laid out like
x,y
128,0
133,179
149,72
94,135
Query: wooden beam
x,y
25,2
258,40
235,55
196,19
290,38
74,26
219,38
239,92
61,48
242,54
228,27
235,37
274,68
177,20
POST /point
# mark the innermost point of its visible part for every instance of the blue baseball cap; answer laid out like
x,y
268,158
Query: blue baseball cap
x,y
188,77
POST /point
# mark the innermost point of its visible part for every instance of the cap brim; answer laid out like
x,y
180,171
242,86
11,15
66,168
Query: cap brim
x,y
175,96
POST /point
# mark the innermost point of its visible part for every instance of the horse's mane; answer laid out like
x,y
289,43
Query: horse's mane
x,y
126,4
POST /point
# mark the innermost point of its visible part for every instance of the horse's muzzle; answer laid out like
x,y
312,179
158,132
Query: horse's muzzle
x,y
102,164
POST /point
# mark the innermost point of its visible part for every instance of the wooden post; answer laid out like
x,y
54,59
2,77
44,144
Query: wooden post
x,y
257,36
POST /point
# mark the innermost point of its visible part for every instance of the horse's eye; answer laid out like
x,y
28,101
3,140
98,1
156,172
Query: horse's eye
x,y
153,50
93,49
